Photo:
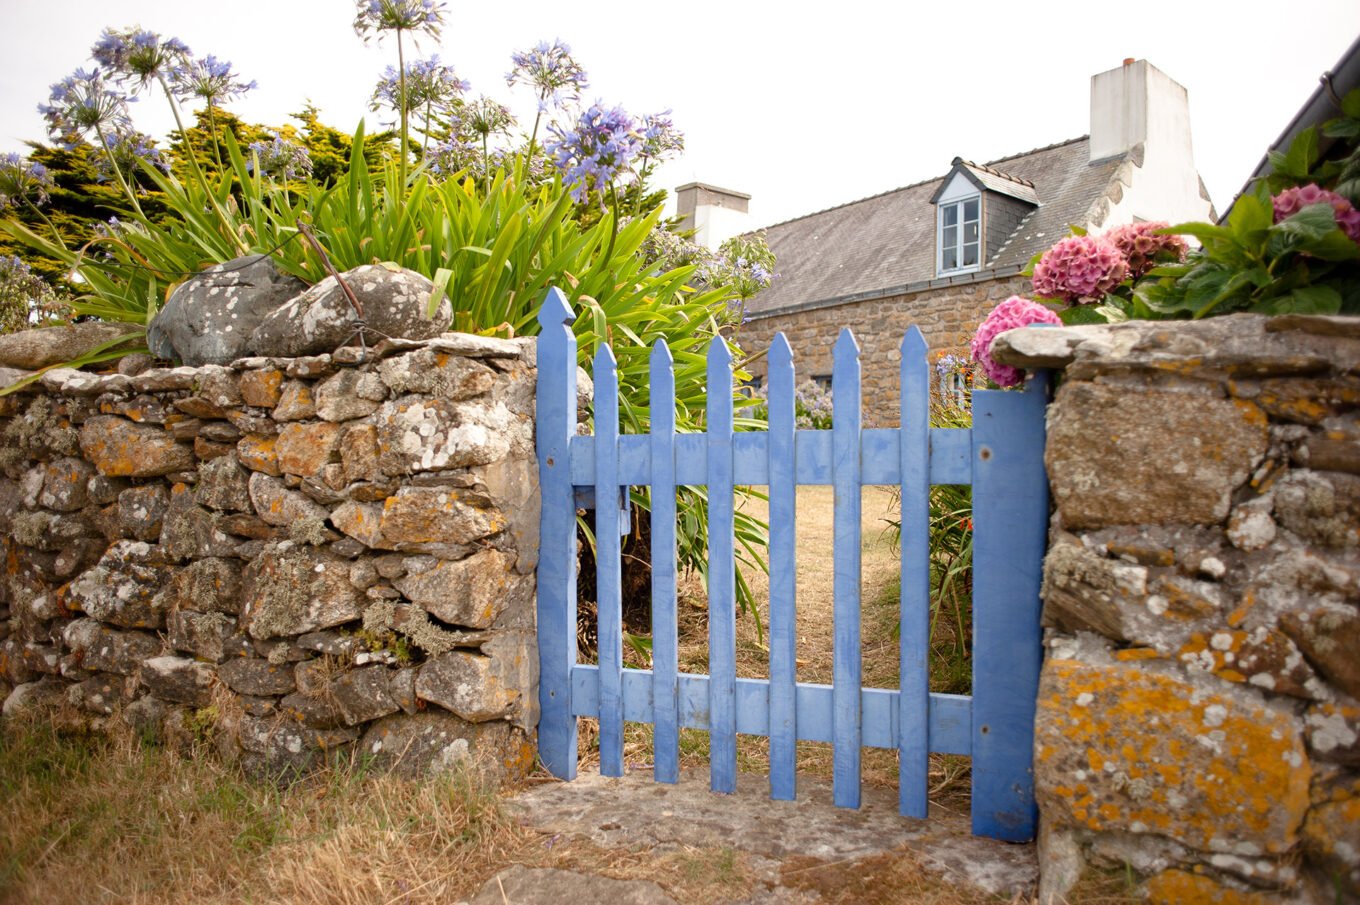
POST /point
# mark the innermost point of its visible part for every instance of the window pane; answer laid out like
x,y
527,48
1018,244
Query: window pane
x,y
970,209
950,237
970,255
949,259
949,215
970,232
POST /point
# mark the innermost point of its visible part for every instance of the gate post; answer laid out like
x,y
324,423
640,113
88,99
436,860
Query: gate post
x,y
555,425
1010,531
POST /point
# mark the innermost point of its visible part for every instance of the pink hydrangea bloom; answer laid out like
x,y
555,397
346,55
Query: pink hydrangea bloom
x,y
1143,249
1291,201
1013,312
1079,268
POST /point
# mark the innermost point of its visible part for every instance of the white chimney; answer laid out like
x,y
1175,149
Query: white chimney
x,y
714,214
1138,104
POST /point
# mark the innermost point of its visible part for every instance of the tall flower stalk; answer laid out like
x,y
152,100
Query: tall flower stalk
x,y
417,16
212,81
83,104
554,75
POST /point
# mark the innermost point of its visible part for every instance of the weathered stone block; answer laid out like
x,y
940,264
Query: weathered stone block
x,y
122,588
1329,636
64,483
191,532
258,453
1331,839
277,505
141,511
290,591
436,373
1323,507
1334,731
349,394
223,484
1177,463
363,694
1123,749
208,636
260,678
179,680
102,649
303,449
120,448
417,434
261,387
433,742
296,402
471,592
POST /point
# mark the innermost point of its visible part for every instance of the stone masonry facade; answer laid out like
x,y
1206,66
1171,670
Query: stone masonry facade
x,y
294,556
947,316
1199,706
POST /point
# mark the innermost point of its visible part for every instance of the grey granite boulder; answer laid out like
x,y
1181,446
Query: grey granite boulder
x,y
44,346
395,304
210,317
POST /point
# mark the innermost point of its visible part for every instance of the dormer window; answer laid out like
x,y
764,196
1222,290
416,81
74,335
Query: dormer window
x,y
959,236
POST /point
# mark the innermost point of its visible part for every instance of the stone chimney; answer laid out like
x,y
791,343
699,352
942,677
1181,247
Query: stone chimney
x,y
714,214
1138,104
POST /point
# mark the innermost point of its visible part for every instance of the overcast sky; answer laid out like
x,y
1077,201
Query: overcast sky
x,y
803,106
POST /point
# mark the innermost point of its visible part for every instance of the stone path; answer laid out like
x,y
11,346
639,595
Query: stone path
x,y
634,812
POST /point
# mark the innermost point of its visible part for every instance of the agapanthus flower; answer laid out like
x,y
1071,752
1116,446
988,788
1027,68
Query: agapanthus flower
x,y
210,80
1079,269
126,147
484,117
449,157
83,103
1012,313
139,56
378,16
26,299
280,158
1143,249
22,180
660,138
600,148
430,85
1291,201
551,71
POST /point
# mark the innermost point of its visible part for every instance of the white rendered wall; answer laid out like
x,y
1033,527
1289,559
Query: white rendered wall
x,y
714,225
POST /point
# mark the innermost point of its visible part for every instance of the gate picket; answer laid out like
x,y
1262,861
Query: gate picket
x,y
847,659
1001,456
722,596
608,562
665,639
914,651
783,581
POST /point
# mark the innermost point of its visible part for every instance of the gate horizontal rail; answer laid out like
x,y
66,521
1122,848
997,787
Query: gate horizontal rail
x,y
1001,456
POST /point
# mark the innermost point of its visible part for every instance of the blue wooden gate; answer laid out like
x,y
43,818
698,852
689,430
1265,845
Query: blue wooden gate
x,y
1001,456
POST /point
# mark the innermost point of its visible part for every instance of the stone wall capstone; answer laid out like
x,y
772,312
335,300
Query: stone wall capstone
x,y
1199,706
303,554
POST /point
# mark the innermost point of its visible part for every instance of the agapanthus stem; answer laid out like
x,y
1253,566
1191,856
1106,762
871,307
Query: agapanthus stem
x,y
401,88
533,136
117,173
614,223
56,235
198,171
212,129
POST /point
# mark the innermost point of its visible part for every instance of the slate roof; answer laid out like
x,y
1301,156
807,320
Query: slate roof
x,y
885,244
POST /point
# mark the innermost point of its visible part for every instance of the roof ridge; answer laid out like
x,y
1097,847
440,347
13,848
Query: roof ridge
x,y
995,172
1056,144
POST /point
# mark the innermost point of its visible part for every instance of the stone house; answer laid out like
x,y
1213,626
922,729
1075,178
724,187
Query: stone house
x,y
942,252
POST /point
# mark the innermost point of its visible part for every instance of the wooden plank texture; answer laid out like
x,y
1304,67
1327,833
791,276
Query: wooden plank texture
x,y
847,662
556,424
608,562
665,641
914,638
783,570
722,597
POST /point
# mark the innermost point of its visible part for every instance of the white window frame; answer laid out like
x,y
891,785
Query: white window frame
x,y
958,193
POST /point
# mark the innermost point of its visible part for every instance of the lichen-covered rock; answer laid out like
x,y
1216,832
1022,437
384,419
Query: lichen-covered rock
x,y
191,532
349,394
1334,731
121,448
364,694
277,505
272,747
296,402
433,742
178,679
33,697
436,373
1323,507
416,434
122,588
208,636
1261,657
258,453
253,676
418,515
101,693
395,303
261,387
486,686
1329,636
208,585
209,319
64,484
1331,839
102,649
290,591
471,592
141,511
1124,749
223,485
1180,887
43,347
1178,460
359,453
302,449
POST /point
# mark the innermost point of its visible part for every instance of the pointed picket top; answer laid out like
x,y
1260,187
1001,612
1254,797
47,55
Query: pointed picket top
x,y
913,344
604,358
780,352
661,353
555,310
846,344
718,353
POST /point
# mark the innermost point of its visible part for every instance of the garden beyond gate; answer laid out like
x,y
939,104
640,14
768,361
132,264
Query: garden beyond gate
x,y
1001,456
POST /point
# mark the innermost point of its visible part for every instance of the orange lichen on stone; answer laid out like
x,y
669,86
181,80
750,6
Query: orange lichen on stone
x,y
262,388
1136,653
1180,887
258,453
1215,772
303,449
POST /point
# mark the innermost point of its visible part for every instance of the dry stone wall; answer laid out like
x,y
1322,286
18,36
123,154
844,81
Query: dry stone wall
x,y
1199,706
300,555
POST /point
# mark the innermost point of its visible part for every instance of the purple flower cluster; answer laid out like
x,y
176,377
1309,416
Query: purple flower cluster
x,y
1291,201
139,56
485,117
280,158
451,156
1013,312
83,103
597,150
209,79
1079,269
1143,249
660,138
126,148
430,85
22,180
551,71
378,16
